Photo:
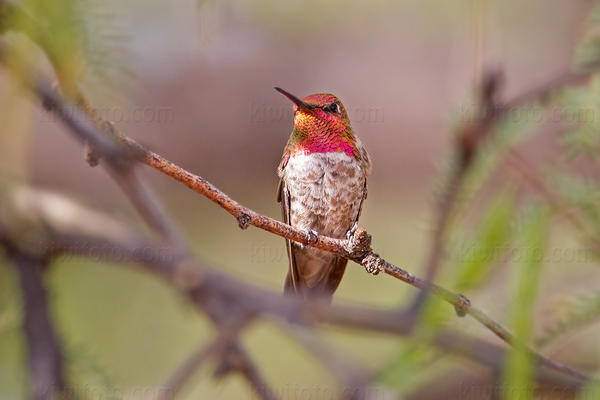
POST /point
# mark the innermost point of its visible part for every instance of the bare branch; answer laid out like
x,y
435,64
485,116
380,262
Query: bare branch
x,y
44,354
238,359
191,365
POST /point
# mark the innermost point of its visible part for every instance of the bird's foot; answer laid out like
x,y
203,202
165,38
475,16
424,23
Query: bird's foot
x,y
313,237
358,242
352,231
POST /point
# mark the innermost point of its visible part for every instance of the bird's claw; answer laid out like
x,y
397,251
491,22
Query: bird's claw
x,y
352,231
313,236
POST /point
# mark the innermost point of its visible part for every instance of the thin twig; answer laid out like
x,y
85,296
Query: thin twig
x,y
238,359
190,366
186,370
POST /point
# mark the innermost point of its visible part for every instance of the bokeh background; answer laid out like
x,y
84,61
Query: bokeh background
x,y
194,81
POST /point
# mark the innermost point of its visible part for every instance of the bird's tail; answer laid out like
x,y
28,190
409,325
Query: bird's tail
x,y
322,290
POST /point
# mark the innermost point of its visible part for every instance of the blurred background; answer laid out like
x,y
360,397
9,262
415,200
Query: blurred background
x,y
193,80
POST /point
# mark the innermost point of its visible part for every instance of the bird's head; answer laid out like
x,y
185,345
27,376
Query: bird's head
x,y
321,124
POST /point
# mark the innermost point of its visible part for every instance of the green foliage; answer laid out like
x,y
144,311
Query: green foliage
x,y
107,49
531,242
478,253
580,107
579,111
587,55
83,367
81,38
512,129
576,313
581,195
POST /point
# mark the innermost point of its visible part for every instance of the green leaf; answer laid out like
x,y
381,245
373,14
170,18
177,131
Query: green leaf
x,y
532,240
476,258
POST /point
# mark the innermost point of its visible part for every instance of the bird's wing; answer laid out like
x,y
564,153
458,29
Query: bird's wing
x,y
362,201
283,197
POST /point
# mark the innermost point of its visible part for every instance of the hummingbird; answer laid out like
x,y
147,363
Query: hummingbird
x,y
322,187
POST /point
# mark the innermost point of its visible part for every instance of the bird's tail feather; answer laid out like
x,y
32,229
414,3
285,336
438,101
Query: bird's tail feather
x,y
323,289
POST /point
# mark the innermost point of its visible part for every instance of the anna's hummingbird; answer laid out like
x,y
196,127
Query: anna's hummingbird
x,y
323,185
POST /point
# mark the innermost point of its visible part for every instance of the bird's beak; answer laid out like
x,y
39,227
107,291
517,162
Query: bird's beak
x,y
301,104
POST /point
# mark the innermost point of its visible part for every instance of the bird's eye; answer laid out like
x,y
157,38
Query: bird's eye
x,y
333,108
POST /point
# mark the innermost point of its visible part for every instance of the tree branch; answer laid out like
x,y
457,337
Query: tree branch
x,y
44,354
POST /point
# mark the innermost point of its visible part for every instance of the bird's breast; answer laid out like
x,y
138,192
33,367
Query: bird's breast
x,y
326,190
